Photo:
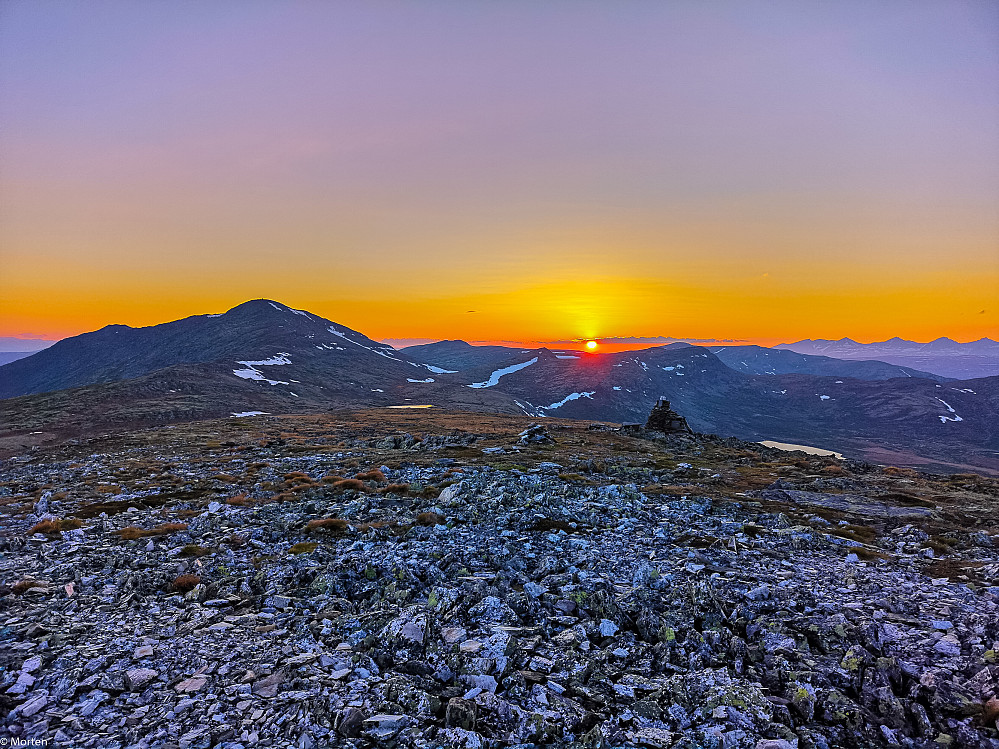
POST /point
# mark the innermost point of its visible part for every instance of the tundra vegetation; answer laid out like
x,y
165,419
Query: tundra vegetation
x,y
431,579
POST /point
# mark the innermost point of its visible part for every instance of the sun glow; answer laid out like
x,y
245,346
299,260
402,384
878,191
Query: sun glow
x,y
591,345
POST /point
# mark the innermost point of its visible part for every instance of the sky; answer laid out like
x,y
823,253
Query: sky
x,y
504,171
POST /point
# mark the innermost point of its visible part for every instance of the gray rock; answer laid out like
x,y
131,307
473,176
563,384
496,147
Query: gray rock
x,y
137,678
608,628
382,726
461,713
268,686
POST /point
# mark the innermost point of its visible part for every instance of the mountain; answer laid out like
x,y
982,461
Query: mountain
x,y
908,420
258,340
943,356
263,356
258,356
458,355
762,360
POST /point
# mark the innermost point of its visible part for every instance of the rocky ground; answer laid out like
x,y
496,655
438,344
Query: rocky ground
x,y
406,579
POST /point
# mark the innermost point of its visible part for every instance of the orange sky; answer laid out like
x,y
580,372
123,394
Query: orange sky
x,y
511,172
758,310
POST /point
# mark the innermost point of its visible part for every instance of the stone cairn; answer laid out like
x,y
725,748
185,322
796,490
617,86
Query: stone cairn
x,y
664,419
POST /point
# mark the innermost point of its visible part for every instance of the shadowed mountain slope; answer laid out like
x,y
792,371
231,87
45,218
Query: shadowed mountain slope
x,y
265,357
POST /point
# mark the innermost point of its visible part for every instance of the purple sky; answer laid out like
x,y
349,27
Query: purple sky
x,y
163,154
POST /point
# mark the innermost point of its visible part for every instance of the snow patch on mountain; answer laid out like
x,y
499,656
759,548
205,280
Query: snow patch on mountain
x,y
250,371
410,379
494,378
945,419
275,361
252,374
570,397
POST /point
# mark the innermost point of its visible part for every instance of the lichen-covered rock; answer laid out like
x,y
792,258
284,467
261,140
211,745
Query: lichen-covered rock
x,y
598,590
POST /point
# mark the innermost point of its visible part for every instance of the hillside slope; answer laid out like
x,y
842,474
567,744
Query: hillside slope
x,y
763,360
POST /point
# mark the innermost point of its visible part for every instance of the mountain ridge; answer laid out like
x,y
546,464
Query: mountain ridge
x,y
942,356
263,356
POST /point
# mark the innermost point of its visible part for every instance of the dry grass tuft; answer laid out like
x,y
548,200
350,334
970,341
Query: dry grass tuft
x,y
53,527
990,711
334,525
48,527
869,555
186,583
896,471
865,534
394,489
23,586
131,532
303,547
239,500
195,550
331,478
373,475
547,525
430,518
578,479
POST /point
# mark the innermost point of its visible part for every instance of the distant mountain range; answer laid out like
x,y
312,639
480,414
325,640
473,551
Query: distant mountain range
x,y
770,361
943,356
12,349
263,356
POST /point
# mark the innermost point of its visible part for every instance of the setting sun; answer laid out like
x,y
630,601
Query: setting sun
x,y
591,345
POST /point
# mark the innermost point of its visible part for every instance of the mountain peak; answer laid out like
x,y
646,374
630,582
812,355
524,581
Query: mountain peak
x,y
262,305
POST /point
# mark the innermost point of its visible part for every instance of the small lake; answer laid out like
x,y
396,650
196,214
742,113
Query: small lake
x,y
804,448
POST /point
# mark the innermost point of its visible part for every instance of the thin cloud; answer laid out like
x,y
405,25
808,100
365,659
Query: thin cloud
x,y
661,340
